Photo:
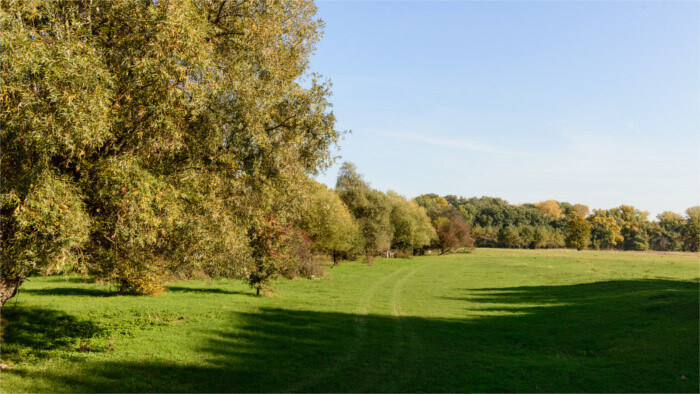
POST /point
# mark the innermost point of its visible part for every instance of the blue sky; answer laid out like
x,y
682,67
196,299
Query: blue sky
x,y
587,102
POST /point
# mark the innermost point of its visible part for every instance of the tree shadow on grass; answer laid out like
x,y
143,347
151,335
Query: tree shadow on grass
x,y
32,332
108,291
618,336
66,279
71,291
205,290
66,286
669,297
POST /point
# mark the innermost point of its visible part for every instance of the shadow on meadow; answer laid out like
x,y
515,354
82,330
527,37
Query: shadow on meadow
x,y
71,291
616,336
108,292
29,331
66,279
66,286
206,290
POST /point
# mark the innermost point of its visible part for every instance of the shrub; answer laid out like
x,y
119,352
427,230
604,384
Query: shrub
x,y
453,234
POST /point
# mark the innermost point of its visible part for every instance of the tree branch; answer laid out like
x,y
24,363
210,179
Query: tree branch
x,y
218,13
281,124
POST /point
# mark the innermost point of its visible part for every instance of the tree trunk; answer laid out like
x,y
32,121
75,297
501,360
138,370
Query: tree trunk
x,y
335,259
8,288
124,286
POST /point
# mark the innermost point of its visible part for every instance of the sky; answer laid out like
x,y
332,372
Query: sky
x,y
587,102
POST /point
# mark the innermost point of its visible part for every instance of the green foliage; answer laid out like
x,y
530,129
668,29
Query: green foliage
x,y
579,231
496,223
329,223
435,206
605,232
411,225
268,242
540,237
509,237
667,232
691,231
350,178
556,239
57,87
371,208
485,236
632,224
495,212
138,215
181,127
48,227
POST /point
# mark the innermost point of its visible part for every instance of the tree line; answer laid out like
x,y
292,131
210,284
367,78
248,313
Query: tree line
x,y
553,224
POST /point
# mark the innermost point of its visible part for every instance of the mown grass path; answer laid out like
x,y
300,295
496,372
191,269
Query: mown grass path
x,y
493,320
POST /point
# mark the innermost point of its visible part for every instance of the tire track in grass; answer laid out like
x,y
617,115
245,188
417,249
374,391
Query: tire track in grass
x,y
361,313
399,346
413,338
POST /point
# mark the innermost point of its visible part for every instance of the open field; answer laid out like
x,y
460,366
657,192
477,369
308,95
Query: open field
x,y
493,320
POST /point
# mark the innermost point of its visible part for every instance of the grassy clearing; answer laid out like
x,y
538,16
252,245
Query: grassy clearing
x,y
493,320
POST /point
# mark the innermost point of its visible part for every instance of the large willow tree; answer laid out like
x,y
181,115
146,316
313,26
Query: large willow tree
x,y
148,138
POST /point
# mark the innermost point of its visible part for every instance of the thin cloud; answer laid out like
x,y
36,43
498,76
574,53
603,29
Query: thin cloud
x,y
455,143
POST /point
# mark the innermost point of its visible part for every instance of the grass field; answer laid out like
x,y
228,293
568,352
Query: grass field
x,y
493,320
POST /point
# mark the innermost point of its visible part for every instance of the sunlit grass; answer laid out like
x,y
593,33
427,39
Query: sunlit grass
x,y
493,320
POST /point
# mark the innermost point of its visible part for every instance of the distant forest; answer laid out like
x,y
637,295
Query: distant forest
x,y
460,222
551,224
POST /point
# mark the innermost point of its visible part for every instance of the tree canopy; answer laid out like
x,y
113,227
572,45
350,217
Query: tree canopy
x,y
329,222
371,208
143,138
411,225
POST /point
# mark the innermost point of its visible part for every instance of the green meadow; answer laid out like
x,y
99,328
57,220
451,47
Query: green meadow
x,y
491,320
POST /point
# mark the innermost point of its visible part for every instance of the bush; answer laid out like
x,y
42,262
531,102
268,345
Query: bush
x,y
403,254
509,237
299,259
453,234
